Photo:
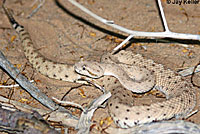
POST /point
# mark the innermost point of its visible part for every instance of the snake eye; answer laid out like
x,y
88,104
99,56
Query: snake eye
x,y
84,67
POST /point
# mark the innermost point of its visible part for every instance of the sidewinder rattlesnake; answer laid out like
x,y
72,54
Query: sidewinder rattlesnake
x,y
181,97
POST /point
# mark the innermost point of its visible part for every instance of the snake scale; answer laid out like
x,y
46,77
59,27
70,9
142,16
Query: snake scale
x,y
181,96
43,65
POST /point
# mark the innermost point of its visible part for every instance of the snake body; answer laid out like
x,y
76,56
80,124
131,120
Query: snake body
x,y
136,79
47,67
181,97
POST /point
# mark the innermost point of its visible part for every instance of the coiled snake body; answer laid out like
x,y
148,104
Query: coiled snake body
x,y
139,76
181,97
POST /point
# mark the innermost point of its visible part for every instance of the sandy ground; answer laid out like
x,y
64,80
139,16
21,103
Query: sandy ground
x,y
65,35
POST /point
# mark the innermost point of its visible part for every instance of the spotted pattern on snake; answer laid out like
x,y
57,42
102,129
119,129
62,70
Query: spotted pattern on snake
x,y
131,77
47,67
181,97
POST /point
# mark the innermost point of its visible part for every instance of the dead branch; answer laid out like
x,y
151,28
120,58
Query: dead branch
x,y
21,122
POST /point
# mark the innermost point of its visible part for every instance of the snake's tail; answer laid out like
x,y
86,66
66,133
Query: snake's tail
x,y
43,65
12,20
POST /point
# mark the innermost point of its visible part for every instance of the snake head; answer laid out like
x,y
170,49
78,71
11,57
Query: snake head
x,y
89,68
